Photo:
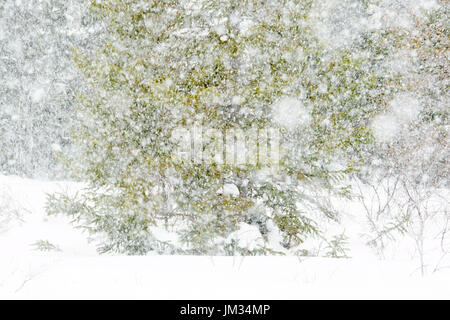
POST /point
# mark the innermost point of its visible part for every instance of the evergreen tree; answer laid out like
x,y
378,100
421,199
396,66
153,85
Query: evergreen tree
x,y
224,65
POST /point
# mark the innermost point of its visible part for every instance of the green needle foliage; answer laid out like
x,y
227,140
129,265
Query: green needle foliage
x,y
223,65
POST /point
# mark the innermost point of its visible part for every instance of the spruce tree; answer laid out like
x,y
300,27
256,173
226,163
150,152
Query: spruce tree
x,y
227,65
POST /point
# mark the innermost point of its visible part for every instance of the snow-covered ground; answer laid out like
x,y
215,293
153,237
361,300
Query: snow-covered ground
x,y
73,269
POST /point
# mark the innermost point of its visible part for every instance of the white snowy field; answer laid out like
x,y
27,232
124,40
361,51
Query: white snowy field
x,y
73,269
